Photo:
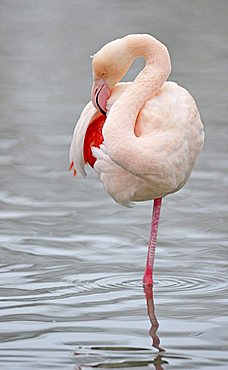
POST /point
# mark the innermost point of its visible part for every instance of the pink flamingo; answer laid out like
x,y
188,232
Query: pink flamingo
x,y
142,137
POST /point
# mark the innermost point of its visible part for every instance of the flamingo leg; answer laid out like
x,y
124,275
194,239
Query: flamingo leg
x,y
148,275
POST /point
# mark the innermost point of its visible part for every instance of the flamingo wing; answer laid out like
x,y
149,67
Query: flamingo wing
x,y
84,137
88,132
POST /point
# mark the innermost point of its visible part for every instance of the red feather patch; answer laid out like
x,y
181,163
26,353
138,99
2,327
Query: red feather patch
x,y
93,137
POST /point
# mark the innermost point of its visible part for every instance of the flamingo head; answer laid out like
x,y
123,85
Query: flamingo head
x,y
109,65
100,94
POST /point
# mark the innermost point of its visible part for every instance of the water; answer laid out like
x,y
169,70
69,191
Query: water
x,y
71,260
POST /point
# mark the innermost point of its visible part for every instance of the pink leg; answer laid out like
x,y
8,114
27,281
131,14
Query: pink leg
x,y
148,275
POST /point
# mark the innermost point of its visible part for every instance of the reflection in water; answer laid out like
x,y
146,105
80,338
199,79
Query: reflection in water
x,y
127,352
148,290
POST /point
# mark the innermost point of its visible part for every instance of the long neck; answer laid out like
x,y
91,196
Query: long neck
x,y
150,79
157,68
119,127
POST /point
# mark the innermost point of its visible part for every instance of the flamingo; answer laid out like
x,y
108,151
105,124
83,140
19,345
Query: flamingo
x,y
141,137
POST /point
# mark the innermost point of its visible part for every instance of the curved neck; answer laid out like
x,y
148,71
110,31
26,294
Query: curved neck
x,y
118,131
149,80
155,73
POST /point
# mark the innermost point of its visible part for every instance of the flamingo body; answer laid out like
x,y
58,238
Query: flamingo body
x,y
171,125
142,137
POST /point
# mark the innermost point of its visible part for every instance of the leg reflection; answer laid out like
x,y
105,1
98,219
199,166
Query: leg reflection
x,y
148,290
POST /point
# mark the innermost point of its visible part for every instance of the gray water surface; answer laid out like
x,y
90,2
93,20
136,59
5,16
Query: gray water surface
x,y
72,260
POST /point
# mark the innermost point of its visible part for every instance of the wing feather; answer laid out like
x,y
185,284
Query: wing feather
x,y
77,144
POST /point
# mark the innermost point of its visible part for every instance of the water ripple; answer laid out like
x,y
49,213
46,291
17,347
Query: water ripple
x,y
113,282
188,284
124,357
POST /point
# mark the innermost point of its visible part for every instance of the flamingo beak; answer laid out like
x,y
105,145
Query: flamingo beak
x,y
99,95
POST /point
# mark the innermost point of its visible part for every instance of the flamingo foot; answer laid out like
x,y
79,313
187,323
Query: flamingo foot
x,y
148,277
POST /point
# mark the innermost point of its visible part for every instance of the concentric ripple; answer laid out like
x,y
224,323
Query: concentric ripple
x,y
188,284
112,282
191,284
